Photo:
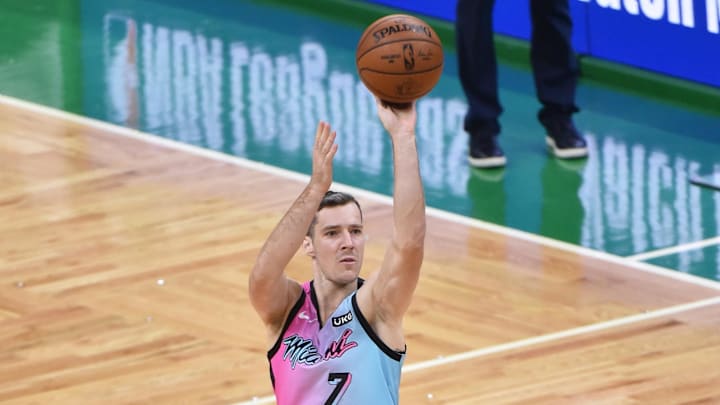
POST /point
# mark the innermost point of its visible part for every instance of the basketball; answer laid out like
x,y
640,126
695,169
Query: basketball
x,y
399,58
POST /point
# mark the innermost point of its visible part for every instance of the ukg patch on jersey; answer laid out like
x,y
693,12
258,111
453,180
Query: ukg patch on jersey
x,y
342,319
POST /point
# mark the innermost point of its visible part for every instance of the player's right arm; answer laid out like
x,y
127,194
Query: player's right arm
x,y
272,293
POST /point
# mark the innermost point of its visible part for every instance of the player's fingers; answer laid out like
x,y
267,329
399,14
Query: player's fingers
x,y
332,152
380,104
320,135
331,145
318,132
328,138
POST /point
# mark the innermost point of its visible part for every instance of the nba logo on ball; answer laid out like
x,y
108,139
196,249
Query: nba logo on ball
x,y
408,57
399,58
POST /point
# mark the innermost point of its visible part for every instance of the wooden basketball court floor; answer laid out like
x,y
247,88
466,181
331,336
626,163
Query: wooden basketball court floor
x,y
123,279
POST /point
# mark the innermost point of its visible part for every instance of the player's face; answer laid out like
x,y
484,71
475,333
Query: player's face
x,y
339,242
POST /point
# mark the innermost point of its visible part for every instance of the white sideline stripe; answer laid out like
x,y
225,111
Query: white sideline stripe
x,y
470,222
523,343
579,250
675,249
596,327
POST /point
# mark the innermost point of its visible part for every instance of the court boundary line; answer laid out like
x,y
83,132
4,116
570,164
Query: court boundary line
x,y
370,195
536,340
675,249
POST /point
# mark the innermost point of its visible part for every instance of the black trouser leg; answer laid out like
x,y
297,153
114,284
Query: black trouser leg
x,y
478,66
555,66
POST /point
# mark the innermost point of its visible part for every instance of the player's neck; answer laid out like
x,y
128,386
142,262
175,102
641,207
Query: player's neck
x,y
330,295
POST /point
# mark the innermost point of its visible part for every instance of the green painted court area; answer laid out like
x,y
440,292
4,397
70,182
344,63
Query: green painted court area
x,y
252,79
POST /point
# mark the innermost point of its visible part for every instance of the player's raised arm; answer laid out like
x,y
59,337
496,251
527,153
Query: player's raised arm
x,y
393,285
272,293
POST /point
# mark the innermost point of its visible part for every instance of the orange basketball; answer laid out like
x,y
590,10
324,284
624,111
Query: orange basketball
x,y
399,58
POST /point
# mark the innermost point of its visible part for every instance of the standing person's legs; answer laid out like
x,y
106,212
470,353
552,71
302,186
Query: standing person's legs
x,y
556,71
477,67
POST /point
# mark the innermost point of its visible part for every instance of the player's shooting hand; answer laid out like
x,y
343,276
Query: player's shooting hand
x,y
397,121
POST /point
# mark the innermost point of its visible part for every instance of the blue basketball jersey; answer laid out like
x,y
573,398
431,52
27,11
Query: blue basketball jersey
x,y
341,362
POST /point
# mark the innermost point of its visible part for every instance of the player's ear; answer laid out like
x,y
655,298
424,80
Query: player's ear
x,y
308,247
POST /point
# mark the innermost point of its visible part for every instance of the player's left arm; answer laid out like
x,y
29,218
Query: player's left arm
x,y
391,288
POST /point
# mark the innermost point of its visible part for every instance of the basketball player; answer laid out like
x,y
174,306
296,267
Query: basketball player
x,y
338,339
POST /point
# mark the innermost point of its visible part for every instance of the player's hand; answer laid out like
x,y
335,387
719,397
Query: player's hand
x,y
397,121
323,154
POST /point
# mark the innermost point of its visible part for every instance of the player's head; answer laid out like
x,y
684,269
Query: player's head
x,y
335,238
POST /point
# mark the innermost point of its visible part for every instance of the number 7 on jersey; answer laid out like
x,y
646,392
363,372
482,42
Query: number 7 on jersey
x,y
341,381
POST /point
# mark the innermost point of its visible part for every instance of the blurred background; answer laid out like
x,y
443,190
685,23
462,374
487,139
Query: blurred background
x,y
252,78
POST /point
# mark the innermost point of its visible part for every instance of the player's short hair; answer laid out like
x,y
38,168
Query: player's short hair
x,y
334,199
